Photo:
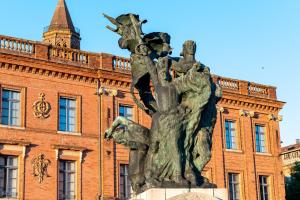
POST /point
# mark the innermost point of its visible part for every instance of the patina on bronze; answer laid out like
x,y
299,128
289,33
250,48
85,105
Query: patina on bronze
x,y
174,151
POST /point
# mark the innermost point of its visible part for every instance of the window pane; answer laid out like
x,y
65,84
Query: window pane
x,y
67,180
67,115
4,120
124,182
5,104
71,128
2,161
264,187
15,105
71,103
5,94
62,119
260,138
62,127
231,136
129,111
15,95
126,111
10,108
234,186
71,113
121,111
8,176
62,102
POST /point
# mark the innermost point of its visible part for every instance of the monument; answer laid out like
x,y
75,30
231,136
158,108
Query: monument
x,y
179,95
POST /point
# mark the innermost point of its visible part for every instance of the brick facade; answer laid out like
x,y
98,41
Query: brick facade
x,y
99,83
36,68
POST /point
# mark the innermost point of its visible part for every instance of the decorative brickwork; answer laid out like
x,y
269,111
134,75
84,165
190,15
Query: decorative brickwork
x,y
37,71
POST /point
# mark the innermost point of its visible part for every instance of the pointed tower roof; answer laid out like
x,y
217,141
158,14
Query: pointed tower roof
x,y
61,18
61,31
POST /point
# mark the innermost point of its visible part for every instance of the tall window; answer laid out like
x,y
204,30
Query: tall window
x,y
67,114
260,138
67,180
264,188
10,108
124,183
8,176
126,111
231,136
234,186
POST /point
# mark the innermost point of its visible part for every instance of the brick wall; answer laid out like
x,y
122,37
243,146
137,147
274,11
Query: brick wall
x,y
38,72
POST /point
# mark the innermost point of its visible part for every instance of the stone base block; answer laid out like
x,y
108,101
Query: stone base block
x,y
182,194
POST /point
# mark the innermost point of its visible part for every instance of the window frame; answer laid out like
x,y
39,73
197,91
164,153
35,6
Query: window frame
x,y
127,181
126,106
266,139
6,171
65,173
239,142
78,111
237,146
236,184
22,103
269,189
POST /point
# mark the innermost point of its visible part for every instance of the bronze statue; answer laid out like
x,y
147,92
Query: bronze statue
x,y
174,151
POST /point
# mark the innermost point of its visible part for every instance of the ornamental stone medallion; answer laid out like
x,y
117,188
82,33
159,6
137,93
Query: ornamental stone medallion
x,y
41,108
40,167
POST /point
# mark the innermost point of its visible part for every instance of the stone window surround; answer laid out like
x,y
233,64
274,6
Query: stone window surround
x,y
228,117
270,181
121,102
257,122
241,181
119,163
72,153
16,148
22,91
236,129
78,120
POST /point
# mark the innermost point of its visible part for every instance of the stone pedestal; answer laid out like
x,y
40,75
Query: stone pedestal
x,y
183,194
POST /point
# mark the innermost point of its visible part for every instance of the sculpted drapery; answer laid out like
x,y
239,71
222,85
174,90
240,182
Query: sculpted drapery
x,y
174,151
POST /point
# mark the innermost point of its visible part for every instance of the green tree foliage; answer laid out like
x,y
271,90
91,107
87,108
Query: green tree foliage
x,y
292,186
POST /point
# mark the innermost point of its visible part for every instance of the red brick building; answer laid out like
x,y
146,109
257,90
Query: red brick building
x,y
56,100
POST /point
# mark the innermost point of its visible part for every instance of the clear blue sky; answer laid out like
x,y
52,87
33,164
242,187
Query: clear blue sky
x,y
252,40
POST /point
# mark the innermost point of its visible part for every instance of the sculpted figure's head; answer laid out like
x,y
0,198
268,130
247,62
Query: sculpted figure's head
x,y
188,48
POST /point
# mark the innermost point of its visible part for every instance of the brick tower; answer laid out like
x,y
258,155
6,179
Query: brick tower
x,y
61,31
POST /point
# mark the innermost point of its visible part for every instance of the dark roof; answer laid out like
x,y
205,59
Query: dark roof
x,y
61,18
290,147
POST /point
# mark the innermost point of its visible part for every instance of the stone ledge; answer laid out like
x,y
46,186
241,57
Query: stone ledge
x,y
183,194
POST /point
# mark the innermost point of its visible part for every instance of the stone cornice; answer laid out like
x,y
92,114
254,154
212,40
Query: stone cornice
x,y
237,101
69,147
65,71
114,71
15,142
48,73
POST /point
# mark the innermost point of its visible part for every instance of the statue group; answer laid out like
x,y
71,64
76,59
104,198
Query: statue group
x,y
179,95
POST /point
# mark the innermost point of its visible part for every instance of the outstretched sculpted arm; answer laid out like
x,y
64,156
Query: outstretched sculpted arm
x,y
117,122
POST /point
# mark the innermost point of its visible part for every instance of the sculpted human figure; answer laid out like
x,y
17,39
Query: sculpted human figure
x,y
137,138
173,152
198,101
